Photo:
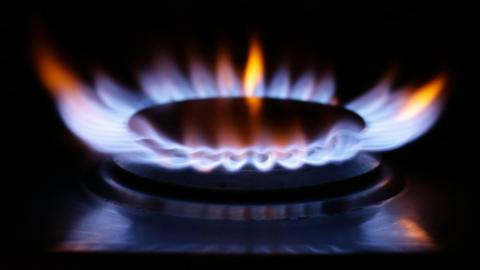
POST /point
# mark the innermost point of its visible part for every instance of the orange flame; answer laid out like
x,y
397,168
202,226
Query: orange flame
x,y
254,70
422,98
414,231
56,77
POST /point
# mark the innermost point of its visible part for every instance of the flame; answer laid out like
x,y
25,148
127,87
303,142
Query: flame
x,y
225,73
55,75
100,115
254,69
422,98
414,231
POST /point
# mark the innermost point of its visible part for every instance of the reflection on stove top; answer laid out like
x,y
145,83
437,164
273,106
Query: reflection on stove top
x,y
103,226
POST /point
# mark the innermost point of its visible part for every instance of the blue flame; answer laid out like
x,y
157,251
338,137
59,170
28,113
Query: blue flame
x,y
100,117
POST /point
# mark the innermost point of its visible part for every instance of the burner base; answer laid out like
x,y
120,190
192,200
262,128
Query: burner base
x,y
358,192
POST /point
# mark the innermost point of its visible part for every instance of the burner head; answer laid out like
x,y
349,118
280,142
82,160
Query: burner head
x,y
236,132
358,184
248,178
244,122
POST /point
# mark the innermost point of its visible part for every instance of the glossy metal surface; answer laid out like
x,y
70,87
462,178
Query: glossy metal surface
x,y
85,222
102,226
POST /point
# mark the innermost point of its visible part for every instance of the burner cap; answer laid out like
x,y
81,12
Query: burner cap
x,y
243,122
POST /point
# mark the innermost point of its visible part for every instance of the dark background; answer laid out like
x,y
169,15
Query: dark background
x,y
360,41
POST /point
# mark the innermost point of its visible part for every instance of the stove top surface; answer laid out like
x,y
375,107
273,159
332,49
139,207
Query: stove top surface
x,y
53,212
78,220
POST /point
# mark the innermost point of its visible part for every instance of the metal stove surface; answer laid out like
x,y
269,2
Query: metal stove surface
x,y
84,223
101,227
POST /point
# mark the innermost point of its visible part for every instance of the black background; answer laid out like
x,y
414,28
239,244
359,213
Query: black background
x,y
360,41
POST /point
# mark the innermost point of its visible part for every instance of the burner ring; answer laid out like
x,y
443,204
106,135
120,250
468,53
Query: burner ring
x,y
247,179
358,192
236,132
270,121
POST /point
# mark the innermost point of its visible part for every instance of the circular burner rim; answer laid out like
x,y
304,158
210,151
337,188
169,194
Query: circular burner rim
x,y
320,117
248,179
382,186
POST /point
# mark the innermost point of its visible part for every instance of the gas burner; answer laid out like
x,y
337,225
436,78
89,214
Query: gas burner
x,y
279,164
360,184
213,146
